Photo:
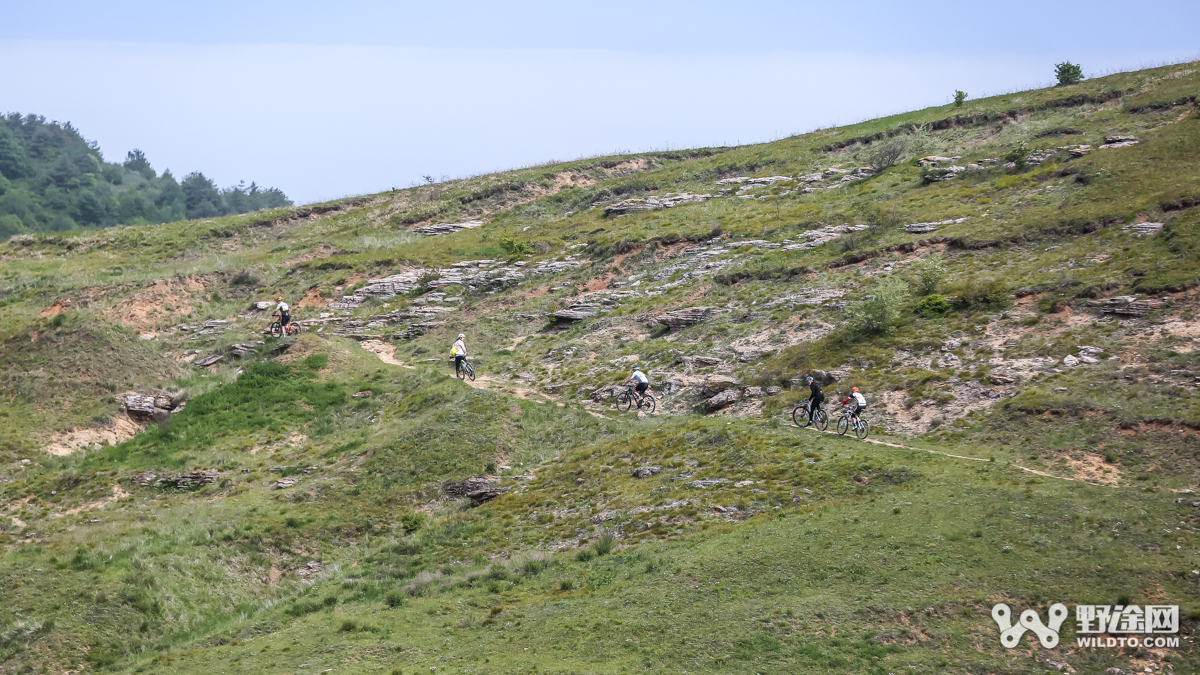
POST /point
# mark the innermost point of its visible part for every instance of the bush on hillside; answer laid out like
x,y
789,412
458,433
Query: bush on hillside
x,y
877,314
1067,73
933,306
515,246
1018,155
887,154
931,272
989,294
959,97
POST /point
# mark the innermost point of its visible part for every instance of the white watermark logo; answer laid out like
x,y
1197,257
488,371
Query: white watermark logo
x,y
1010,634
1092,620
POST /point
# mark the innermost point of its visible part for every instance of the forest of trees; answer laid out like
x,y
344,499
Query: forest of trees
x,y
53,180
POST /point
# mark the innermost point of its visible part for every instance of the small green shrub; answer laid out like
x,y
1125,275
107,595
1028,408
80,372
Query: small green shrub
x,y
515,246
604,545
565,585
411,522
1067,73
585,554
316,361
959,97
989,294
244,278
1018,156
879,313
393,599
931,273
933,306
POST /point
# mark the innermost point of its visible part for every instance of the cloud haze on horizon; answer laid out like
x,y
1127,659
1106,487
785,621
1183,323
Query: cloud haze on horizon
x,y
325,120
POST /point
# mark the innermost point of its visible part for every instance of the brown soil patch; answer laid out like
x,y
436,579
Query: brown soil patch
x,y
310,343
599,283
537,292
322,251
385,351
120,428
1158,427
163,299
313,298
1090,468
117,495
697,294
60,305
619,261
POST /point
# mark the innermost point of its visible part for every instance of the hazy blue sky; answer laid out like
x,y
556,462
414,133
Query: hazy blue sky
x,y
328,99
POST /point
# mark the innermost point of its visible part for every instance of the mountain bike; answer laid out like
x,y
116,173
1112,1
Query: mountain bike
x,y
801,414
627,398
466,372
861,428
279,330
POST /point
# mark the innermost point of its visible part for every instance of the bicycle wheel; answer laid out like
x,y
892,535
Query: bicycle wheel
x,y
843,425
800,416
624,401
822,421
470,371
460,371
276,329
864,428
648,404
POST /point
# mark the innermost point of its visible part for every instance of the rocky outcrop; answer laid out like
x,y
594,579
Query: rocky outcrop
x,y
577,312
923,228
603,393
697,361
185,481
715,384
627,206
1118,142
1143,229
242,350
206,361
646,471
447,228
1126,305
479,490
684,317
147,407
722,399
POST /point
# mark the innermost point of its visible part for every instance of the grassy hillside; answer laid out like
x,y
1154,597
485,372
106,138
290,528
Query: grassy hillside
x,y
1011,283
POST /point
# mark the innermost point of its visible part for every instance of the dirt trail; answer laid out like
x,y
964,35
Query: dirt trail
x,y
974,459
387,354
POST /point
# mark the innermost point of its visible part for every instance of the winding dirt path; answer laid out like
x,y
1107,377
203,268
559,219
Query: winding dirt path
x,y
387,354
972,459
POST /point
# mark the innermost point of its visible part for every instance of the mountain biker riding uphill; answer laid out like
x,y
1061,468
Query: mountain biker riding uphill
x,y
282,311
458,352
816,397
860,403
643,382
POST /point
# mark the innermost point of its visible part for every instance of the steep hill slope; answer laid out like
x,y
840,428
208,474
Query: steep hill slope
x,y
1011,283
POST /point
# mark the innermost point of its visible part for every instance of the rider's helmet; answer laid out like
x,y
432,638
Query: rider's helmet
x,y
279,298
808,379
854,389
461,336
633,366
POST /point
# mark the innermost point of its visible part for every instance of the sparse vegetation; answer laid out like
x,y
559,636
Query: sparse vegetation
x,y
332,530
